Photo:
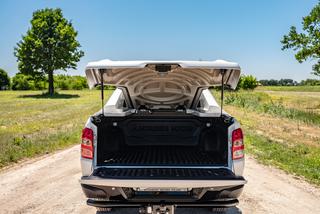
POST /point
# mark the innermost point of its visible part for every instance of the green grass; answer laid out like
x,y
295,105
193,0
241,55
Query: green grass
x,y
303,88
304,101
33,124
301,160
290,155
264,103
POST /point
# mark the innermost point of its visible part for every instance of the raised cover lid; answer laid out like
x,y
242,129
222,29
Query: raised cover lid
x,y
163,83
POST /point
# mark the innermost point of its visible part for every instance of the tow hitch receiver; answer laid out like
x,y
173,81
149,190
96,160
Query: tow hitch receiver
x,y
157,209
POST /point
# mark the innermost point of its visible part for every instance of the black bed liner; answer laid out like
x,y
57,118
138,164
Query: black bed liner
x,y
166,173
162,139
158,156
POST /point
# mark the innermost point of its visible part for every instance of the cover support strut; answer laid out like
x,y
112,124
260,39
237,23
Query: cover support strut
x,y
102,91
223,72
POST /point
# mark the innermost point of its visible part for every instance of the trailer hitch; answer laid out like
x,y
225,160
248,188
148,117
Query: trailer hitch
x,y
157,209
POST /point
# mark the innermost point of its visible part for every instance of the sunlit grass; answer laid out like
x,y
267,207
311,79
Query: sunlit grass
x,y
290,88
33,124
277,104
271,121
300,159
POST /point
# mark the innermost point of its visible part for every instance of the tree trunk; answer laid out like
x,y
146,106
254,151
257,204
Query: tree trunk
x,y
51,87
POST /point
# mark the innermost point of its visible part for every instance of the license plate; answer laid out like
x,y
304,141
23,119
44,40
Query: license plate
x,y
162,189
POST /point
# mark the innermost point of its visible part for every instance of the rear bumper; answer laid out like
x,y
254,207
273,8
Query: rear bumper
x,y
126,193
103,197
181,187
124,204
174,184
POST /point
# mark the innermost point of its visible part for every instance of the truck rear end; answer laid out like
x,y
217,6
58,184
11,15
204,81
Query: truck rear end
x,y
158,146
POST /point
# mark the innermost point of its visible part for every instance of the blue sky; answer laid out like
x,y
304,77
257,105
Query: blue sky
x,y
248,32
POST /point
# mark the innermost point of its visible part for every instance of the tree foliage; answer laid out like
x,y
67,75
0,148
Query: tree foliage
x,y
281,82
269,82
248,82
22,82
311,82
4,80
63,82
66,82
50,44
307,43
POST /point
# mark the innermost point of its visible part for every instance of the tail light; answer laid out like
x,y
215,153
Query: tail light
x,y
237,144
87,143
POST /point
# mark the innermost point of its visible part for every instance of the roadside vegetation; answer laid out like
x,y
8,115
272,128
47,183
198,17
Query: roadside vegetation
x,y
62,82
276,105
299,159
301,88
281,127
33,124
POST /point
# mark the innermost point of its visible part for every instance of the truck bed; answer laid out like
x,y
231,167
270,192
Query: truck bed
x,y
162,140
158,156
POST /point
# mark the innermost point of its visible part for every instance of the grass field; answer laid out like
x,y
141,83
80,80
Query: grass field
x,y
282,128
290,88
32,124
300,106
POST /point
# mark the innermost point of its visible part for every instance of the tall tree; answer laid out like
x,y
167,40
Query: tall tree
x,y
50,44
307,43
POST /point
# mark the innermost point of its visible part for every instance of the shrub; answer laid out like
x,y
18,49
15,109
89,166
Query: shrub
x,y
63,82
21,82
106,87
247,82
66,82
79,83
4,80
27,82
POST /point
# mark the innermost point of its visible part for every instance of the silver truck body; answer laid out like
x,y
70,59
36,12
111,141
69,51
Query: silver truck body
x,y
162,86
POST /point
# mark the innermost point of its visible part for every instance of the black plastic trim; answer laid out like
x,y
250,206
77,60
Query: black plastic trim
x,y
166,173
119,204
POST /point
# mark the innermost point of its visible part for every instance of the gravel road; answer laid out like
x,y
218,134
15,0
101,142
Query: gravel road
x,y
50,185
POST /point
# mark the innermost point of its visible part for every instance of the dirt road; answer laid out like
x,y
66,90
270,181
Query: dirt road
x,y
50,185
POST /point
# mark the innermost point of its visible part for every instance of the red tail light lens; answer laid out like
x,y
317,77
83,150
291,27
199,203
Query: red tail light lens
x,y
237,144
87,143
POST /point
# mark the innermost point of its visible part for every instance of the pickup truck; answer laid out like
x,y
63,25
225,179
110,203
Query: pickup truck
x,y
162,141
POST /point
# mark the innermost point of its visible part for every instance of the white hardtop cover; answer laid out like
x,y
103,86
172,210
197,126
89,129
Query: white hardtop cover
x,y
151,83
